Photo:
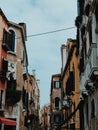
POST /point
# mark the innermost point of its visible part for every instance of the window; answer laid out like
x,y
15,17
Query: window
x,y
4,67
56,127
92,109
72,79
57,118
24,96
57,101
80,6
5,42
83,33
12,40
11,76
30,82
96,15
87,113
72,126
90,34
81,64
70,84
8,127
57,84
8,40
1,96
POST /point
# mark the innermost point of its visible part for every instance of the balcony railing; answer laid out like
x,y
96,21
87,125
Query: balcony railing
x,y
91,69
89,86
93,73
67,102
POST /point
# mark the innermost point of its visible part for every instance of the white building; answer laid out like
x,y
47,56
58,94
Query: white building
x,y
87,42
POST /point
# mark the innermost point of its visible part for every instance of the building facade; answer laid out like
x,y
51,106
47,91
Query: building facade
x,y
45,117
19,90
14,79
33,102
4,47
55,102
70,86
87,37
3,60
17,60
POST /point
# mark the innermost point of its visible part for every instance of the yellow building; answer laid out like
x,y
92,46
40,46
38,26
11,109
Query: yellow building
x,y
70,86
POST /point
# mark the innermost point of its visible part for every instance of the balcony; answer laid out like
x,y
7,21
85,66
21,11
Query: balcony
x,y
93,73
91,67
89,86
67,102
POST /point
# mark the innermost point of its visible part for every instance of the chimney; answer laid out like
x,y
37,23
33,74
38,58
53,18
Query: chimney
x,y
64,55
24,28
33,72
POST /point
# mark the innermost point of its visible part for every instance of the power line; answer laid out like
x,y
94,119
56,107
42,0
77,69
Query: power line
x,y
44,33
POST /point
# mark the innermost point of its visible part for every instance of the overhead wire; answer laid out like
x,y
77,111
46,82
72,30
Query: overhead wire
x,y
44,33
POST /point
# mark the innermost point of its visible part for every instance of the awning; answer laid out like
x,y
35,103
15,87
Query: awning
x,y
7,121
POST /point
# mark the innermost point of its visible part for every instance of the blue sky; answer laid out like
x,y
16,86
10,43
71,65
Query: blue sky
x,y
41,16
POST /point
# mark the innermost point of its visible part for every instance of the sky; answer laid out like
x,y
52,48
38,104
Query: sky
x,y
44,51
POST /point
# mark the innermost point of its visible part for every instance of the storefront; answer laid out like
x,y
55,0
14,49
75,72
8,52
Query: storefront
x,y
7,124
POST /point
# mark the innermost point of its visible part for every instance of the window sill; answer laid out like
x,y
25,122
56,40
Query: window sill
x,y
11,52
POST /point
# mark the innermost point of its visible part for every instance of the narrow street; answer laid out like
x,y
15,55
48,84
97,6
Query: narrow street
x,y
33,94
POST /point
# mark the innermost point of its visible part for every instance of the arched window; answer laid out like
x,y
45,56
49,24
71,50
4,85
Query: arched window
x,y
57,102
12,40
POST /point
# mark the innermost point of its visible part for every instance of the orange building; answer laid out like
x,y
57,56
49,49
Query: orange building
x,y
70,86
55,101
3,54
4,41
17,61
